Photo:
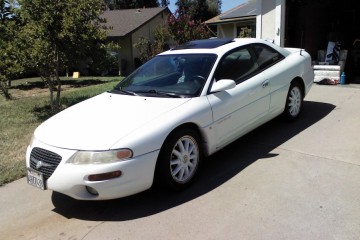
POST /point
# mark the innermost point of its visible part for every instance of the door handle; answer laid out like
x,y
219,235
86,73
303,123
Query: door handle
x,y
265,83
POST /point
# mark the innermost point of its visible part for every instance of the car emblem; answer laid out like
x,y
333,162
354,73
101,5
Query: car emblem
x,y
39,164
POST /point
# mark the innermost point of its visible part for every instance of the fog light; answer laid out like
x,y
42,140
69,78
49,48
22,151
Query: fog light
x,y
92,191
104,176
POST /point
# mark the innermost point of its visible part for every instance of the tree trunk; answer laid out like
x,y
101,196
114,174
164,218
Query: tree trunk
x,y
4,90
47,78
57,79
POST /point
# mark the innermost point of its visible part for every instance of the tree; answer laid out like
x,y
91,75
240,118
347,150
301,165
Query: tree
x,y
206,9
9,64
148,49
164,3
214,7
129,4
188,21
183,28
106,61
200,10
59,33
183,7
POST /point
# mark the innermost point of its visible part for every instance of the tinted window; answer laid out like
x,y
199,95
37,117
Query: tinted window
x,y
238,65
266,56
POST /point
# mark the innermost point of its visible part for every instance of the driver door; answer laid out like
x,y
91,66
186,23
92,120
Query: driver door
x,y
238,110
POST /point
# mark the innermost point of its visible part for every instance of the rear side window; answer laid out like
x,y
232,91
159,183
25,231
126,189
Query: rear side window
x,y
237,65
266,56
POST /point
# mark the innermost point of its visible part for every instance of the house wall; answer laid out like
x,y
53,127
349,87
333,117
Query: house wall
x,y
270,21
268,15
125,60
226,30
146,31
230,30
127,51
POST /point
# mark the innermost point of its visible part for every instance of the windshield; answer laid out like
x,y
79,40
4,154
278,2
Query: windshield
x,y
176,75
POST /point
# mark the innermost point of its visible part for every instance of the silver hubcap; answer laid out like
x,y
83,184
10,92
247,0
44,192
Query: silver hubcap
x,y
184,159
295,101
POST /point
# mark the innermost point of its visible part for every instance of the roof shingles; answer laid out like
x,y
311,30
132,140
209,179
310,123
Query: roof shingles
x,y
123,22
243,11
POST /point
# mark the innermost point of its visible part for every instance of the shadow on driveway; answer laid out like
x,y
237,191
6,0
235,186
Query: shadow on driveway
x,y
217,169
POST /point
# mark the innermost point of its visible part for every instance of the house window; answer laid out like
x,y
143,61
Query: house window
x,y
246,30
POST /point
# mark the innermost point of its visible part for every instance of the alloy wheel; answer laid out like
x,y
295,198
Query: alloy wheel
x,y
184,159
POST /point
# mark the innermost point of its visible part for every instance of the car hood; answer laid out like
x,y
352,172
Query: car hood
x,y
98,123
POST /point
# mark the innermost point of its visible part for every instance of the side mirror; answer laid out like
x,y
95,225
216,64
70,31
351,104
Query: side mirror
x,y
222,85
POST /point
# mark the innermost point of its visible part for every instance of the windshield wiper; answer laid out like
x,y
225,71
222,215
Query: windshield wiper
x,y
119,90
167,94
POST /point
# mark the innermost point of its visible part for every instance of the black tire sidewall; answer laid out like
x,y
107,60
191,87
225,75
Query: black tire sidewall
x,y
163,175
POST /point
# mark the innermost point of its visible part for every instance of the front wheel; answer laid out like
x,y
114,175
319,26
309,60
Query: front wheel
x,y
179,159
294,102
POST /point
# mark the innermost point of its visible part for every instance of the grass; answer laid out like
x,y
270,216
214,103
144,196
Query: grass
x,y
29,108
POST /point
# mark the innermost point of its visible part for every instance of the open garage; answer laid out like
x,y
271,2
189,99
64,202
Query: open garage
x,y
312,24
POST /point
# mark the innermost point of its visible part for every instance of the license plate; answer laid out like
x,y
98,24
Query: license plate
x,y
35,178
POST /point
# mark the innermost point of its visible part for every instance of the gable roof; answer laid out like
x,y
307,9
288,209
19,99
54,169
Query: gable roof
x,y
125,21
244,11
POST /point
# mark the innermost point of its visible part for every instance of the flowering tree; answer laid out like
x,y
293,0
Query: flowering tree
x,y
183,28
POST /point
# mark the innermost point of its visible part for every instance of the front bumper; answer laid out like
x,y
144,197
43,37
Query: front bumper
x,y
72,180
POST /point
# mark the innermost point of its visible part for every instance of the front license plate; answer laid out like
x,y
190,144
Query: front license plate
x,y
35,178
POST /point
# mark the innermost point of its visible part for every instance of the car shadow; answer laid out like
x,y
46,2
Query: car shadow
x,y
216,170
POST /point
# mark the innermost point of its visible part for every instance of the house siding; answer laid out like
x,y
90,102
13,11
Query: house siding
x,y
147,31
268,19
128,26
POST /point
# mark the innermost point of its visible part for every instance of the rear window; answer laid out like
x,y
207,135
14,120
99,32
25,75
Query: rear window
x,y
266,56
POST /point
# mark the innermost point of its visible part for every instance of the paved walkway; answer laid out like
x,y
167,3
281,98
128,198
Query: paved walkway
x,y
282,181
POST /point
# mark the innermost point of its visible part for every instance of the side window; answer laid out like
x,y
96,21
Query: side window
x,y
237,65
266,56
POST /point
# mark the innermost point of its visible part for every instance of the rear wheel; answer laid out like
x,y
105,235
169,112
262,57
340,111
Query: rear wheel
x,y
179,159
294,102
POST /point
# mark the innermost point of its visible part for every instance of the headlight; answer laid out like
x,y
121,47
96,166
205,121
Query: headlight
x,y
100,157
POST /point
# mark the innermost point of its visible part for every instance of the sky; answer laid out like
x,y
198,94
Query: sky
x,y
226,4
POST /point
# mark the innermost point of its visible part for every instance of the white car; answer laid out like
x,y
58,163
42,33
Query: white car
x,y
162,121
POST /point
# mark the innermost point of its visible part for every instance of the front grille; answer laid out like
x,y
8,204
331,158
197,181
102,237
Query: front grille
x,y
44,161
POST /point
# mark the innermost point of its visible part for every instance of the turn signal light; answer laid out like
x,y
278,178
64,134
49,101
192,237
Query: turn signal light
x,y
104,176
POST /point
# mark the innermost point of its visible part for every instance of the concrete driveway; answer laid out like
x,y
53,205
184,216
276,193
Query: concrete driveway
x,y
296,180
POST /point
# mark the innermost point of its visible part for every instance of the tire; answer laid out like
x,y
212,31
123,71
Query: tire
x,y
294,102
179,160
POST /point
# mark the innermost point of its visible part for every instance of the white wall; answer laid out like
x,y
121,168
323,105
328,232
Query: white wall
x,y
270,20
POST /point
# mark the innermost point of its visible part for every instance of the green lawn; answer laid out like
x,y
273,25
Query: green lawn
x,y
30,107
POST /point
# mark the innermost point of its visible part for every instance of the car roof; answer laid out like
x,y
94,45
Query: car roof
x,y
219,46
205,43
